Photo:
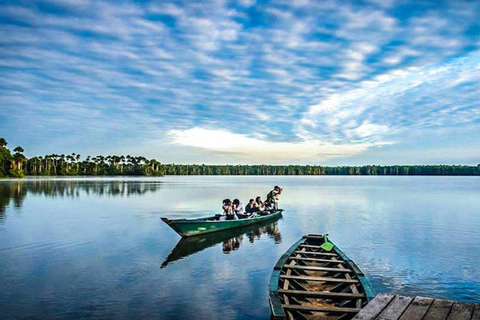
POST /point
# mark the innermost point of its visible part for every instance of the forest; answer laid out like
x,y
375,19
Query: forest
x,y
17,165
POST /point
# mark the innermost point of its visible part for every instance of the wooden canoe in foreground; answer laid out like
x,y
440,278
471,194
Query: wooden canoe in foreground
x,y
193,227
310,283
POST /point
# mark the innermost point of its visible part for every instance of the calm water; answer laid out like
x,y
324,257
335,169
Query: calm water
x,y
76,248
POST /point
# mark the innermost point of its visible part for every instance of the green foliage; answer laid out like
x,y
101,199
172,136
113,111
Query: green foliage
x,y
18,150
55,164
62,165
182,169
121,165
5,161
16,173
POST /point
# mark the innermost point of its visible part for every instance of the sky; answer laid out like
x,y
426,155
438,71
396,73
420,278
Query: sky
x,y
244,82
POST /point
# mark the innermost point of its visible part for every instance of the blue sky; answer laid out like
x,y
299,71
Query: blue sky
x,y
294,81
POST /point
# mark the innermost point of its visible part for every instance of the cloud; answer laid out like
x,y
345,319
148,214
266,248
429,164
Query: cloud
x,y
258,150
431,97
341,74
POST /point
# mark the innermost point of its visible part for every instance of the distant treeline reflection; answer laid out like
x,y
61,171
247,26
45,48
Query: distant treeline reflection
x,y
14,192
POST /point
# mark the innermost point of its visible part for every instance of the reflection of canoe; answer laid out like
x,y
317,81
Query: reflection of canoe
x,y
310,283
191,245
192,227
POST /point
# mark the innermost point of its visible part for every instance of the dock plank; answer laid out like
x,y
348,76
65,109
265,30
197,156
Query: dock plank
x,y
395,308
374,307
439,310
476,312
417,309
461,311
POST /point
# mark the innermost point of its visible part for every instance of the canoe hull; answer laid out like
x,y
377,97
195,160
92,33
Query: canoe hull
x,y
188,228
309,282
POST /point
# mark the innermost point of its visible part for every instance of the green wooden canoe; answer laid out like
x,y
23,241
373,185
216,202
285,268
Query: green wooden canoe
x,y
193,227
309,282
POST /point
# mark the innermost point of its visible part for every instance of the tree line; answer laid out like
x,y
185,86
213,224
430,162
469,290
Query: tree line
x,y
17,165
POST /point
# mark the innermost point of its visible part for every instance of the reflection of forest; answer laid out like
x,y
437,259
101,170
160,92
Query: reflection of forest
x,y
11,193
271,230
15,191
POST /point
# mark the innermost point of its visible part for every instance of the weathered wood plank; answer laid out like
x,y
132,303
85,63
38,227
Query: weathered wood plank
x,y
313,236
326,254
439,310
322,279
352,286
461,311
312,268
395,308
320,309
476,312
417,309
311,246
285,287
316,260
322,294
374,307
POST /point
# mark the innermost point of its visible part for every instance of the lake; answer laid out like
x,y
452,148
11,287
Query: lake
x,y
96,247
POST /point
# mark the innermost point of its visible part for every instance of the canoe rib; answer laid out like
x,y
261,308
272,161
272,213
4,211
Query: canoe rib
x,y
319,269
321,279
323,294
309,282
320,309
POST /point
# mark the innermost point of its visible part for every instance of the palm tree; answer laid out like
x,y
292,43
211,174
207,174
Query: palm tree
x,y
77,159
18,157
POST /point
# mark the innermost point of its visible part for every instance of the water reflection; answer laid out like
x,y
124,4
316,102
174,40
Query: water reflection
x,y
13,193
84,248
230,239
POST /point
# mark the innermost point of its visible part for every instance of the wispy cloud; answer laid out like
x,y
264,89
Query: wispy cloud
x,y
256,150
338,78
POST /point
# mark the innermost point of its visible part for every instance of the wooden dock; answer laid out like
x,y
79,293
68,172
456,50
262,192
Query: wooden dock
x,y
394,307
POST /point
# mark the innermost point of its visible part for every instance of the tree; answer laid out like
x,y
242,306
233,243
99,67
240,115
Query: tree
x,y
5,159
18,150
18,157
3,143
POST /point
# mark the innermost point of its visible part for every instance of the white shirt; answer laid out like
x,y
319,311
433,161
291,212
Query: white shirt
x,y
238,209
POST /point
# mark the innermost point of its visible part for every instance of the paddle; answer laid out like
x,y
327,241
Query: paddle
x,y
327,246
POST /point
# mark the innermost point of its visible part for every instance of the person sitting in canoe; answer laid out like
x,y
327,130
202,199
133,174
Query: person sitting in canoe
x,y
227,206
228,211
259,205
238,207
251,207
